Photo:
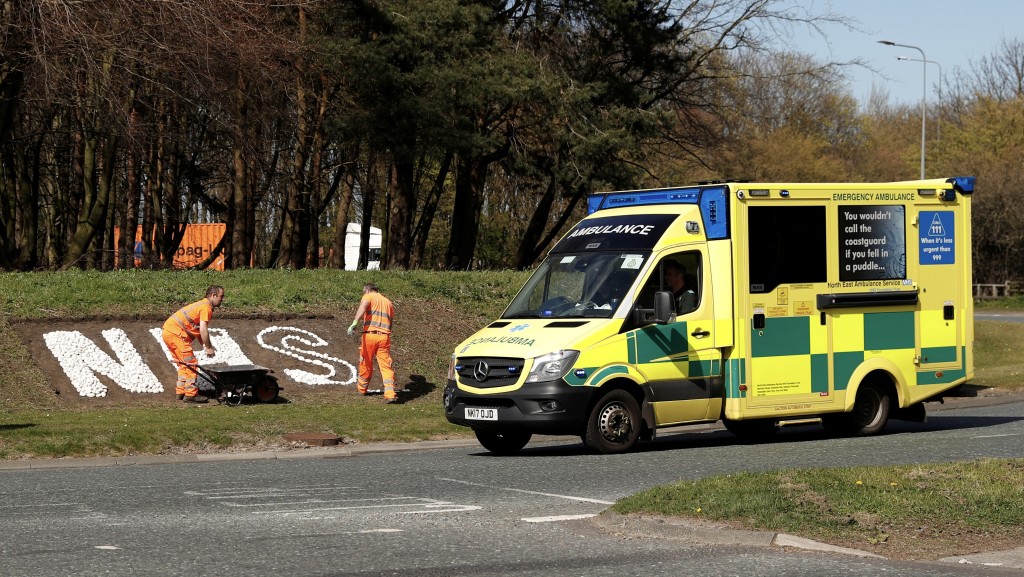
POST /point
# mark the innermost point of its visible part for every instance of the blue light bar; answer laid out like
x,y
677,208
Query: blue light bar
x,y
715,212
965,184
605,200
713,201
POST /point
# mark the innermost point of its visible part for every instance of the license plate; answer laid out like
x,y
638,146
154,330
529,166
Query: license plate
x,y
480,414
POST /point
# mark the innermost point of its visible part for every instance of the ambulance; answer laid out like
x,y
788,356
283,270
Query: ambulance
x,y
756,304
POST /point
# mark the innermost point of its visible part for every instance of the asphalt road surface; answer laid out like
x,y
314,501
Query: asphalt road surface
x,y
446,512
997,315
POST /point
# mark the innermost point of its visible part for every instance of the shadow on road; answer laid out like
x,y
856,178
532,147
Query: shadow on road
x,y
721,438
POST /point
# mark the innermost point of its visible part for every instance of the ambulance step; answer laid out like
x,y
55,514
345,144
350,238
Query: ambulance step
x,y
808,421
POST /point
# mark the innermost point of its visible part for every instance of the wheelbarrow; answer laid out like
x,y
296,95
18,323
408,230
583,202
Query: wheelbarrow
x,y
236,383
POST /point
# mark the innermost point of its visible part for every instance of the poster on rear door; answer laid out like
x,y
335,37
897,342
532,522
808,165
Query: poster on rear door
x,y
872,243
937,241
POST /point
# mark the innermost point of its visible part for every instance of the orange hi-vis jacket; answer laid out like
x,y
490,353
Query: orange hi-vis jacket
x,y
376,343
378,315
185,322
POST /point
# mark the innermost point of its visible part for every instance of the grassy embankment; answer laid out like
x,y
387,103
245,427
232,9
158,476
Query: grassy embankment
x,y
33,422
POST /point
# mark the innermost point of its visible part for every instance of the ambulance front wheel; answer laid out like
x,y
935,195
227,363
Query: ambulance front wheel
x,y
502,443
614,423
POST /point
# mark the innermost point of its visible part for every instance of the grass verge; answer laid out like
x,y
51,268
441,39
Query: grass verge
x,y
997,358
206,428
906,512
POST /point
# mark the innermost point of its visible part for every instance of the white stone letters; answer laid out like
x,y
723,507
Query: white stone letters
x,y
81,359
309,340
228,351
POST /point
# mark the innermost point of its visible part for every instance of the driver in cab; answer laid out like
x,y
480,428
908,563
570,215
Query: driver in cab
x,y
675,278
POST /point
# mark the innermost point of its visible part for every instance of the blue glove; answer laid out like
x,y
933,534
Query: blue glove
x,y
352,328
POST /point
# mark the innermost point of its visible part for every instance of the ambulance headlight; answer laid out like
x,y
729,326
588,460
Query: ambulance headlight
x,y
451,369
552,366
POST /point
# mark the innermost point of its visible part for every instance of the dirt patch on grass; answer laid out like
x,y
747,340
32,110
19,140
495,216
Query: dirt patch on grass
x,y
922,543
311,356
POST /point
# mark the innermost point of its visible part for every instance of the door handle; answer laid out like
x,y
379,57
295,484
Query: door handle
x,y
700,333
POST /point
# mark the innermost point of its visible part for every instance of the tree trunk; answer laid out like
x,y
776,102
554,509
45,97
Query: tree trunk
x,y
296,209
470,175
421,231
96,197
369,193
402,210
337,259
153,221
28,229
534,241
530,242
130,216
237,256
8,190
11,83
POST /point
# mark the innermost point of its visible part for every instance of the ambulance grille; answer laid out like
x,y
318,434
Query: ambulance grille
x,y
489,371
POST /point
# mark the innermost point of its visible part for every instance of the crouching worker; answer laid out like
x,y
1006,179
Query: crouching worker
x,y
190,323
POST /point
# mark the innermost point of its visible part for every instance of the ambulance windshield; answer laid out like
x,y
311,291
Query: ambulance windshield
x,y
582,284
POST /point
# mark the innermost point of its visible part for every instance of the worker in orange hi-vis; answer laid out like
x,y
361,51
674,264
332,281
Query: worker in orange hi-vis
x,y
378,316
190,323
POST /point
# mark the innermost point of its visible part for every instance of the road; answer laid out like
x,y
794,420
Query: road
x,y
452,511
998,315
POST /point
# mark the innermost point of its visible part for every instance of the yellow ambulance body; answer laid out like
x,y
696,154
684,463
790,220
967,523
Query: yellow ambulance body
x,y
798,302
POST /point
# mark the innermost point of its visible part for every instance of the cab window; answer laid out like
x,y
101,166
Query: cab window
x,y
679,273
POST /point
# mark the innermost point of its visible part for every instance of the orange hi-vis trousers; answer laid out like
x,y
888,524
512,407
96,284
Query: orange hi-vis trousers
x,y
181,349
376,345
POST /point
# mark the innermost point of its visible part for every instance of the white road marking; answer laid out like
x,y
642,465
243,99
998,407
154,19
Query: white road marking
x,y
108,547
452,508
364,531
318,500
993,436
262,492
552,518
325,501
36,505
570,497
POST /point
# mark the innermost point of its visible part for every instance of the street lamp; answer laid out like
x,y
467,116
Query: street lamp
x,y
924,91
938,124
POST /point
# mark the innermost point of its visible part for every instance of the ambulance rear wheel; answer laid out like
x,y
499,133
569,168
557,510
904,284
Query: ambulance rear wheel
x,y
751,429
614,423
870,411
869,416
502,443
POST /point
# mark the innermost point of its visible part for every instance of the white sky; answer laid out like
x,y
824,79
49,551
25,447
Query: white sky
x,y
951,33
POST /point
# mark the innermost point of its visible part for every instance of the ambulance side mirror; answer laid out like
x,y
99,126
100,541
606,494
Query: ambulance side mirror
x,y
664,311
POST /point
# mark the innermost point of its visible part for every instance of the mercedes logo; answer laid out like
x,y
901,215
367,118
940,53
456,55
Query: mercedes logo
x,y
480,371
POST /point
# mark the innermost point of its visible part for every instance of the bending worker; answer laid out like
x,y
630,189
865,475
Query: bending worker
x,y
187,324
377,314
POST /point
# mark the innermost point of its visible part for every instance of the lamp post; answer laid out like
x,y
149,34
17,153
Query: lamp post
x,y
938,124
924,92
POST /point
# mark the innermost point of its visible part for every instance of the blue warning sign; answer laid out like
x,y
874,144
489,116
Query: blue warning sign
x,y
938,241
